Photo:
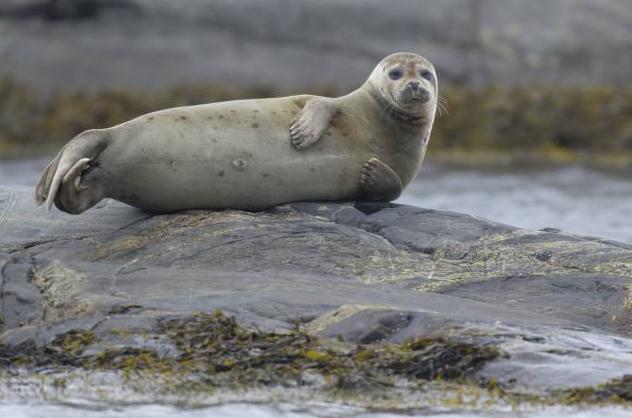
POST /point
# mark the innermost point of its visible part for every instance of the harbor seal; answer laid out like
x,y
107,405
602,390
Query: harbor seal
x,y
253,154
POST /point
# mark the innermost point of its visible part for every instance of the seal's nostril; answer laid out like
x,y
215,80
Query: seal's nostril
x,y
414,85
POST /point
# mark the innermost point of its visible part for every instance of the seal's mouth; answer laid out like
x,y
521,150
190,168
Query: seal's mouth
x,y
413,96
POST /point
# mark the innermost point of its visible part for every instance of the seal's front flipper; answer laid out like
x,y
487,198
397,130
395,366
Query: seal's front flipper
x,y
379,182
311,122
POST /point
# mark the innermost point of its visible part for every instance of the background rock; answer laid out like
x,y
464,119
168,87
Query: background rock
x,y
60,44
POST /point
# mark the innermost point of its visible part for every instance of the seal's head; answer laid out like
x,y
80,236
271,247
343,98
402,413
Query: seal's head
x,y
407,82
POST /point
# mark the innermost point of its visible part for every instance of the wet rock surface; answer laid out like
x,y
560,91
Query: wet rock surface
x,y
346,297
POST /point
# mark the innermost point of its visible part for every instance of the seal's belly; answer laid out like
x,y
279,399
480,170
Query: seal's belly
x,y
213,157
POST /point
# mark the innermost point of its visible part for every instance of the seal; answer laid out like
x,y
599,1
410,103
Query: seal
x,y
253,154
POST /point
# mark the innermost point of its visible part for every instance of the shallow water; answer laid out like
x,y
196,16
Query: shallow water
x,y
573,199
21,172
283,410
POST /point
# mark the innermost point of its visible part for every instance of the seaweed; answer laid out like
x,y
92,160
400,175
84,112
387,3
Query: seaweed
x,y
73,342
215,350
216,344
65,350
208,351
535,125
615,391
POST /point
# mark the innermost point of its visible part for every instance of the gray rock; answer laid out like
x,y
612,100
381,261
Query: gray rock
x,y
290,45
554,304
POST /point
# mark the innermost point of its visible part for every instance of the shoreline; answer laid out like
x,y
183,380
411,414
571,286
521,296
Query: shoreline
x,y
502,126
518,160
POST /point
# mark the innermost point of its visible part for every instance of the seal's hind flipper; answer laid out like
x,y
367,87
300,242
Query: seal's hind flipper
x,y
59,181
40,194
379,182
74,195
311,123
72,178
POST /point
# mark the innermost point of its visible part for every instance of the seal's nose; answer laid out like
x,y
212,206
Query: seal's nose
x,y
425,95
414,84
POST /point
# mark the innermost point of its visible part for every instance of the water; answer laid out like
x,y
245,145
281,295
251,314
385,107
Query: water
x,y
573,199
283,410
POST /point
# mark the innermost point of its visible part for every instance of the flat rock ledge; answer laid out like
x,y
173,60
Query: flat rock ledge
x,y
320,301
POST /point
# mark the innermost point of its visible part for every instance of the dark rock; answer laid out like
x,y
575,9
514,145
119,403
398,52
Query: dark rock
x,y
69,10
97,289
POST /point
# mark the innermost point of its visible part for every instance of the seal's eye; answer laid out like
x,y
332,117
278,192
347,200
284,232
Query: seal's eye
x,y
395,74
426,74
